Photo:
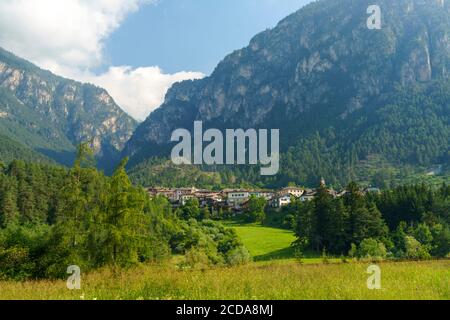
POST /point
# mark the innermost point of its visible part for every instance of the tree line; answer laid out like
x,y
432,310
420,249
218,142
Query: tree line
x,y
52,217
408,222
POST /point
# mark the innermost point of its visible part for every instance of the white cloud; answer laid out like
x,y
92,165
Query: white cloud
x,y
141,90
67,37
66,33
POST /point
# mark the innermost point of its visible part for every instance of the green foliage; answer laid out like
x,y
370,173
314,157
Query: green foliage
x,y
254,210
51,218
238,256
48,116
406,222
298,255
190,210
414,249
221,245
371,249
196,259
21,247
11,149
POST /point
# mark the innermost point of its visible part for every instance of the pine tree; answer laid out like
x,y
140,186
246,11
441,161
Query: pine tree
x,y
8,209
125,223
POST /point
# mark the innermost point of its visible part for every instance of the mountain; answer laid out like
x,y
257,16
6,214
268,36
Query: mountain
x,y
349,102
51,115
11,150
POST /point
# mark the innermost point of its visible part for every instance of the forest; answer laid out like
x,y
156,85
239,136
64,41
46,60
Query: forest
x,y
52,217
408,222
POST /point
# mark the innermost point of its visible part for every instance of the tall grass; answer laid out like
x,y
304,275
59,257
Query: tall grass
x,y
401,280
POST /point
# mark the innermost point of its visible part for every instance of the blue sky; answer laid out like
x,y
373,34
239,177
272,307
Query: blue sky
x,y
192,35
135,49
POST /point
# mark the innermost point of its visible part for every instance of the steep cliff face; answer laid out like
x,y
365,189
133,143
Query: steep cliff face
x,y
52,114
312,71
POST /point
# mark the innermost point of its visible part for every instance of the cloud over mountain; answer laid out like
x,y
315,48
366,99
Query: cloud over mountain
x,y
67,37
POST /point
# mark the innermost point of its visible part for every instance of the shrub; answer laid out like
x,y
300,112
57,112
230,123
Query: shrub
x,y
254,211
371,249
196,259
238,256
15,263
415,250
298,254
325,259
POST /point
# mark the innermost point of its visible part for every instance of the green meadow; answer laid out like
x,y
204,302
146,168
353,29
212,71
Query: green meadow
x,y
274,274
278,281
267,244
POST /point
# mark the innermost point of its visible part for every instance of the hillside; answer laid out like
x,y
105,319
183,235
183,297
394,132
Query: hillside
x,y
10,150
51,115
340,94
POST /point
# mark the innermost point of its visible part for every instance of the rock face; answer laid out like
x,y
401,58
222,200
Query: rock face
x,y
53,114
316,68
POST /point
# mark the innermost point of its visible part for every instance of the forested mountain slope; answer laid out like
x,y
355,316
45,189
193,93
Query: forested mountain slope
x,y
340,94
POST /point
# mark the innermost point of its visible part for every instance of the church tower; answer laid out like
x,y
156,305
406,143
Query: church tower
x,y
322,182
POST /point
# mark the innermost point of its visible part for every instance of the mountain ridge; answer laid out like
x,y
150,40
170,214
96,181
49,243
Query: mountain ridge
x,y
53,114
320,76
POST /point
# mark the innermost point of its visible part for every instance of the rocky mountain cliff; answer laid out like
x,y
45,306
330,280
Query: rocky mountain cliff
x,y
322,75
51,115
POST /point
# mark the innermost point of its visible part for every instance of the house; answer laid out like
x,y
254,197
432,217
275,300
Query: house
x,y
236,198
209,199
166,192
371,190
308,195
293,191
183,199
180,192
262,194
281,200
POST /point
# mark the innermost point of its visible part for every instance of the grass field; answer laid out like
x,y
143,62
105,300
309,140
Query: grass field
x,y
263,243
274,275
270,244
401,280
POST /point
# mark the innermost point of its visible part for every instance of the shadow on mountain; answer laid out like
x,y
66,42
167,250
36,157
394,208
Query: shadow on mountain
x,y
63,157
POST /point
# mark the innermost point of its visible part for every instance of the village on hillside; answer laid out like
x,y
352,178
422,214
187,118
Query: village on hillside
x,y
237,199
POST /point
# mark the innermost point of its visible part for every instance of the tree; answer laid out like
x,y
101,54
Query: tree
x,y
125,224
368,223
205,214
337,238
190,210
372,249
441,240
304,227
254,210
414,249
9,213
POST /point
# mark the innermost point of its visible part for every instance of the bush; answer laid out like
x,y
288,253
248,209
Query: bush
x,y
325,259
441,243
254,211
212,238
353,252
15,263
371,249
415,250
238,256
298,254
196,259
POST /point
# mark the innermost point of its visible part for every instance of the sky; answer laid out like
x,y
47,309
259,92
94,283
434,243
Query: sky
x,y
135,49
